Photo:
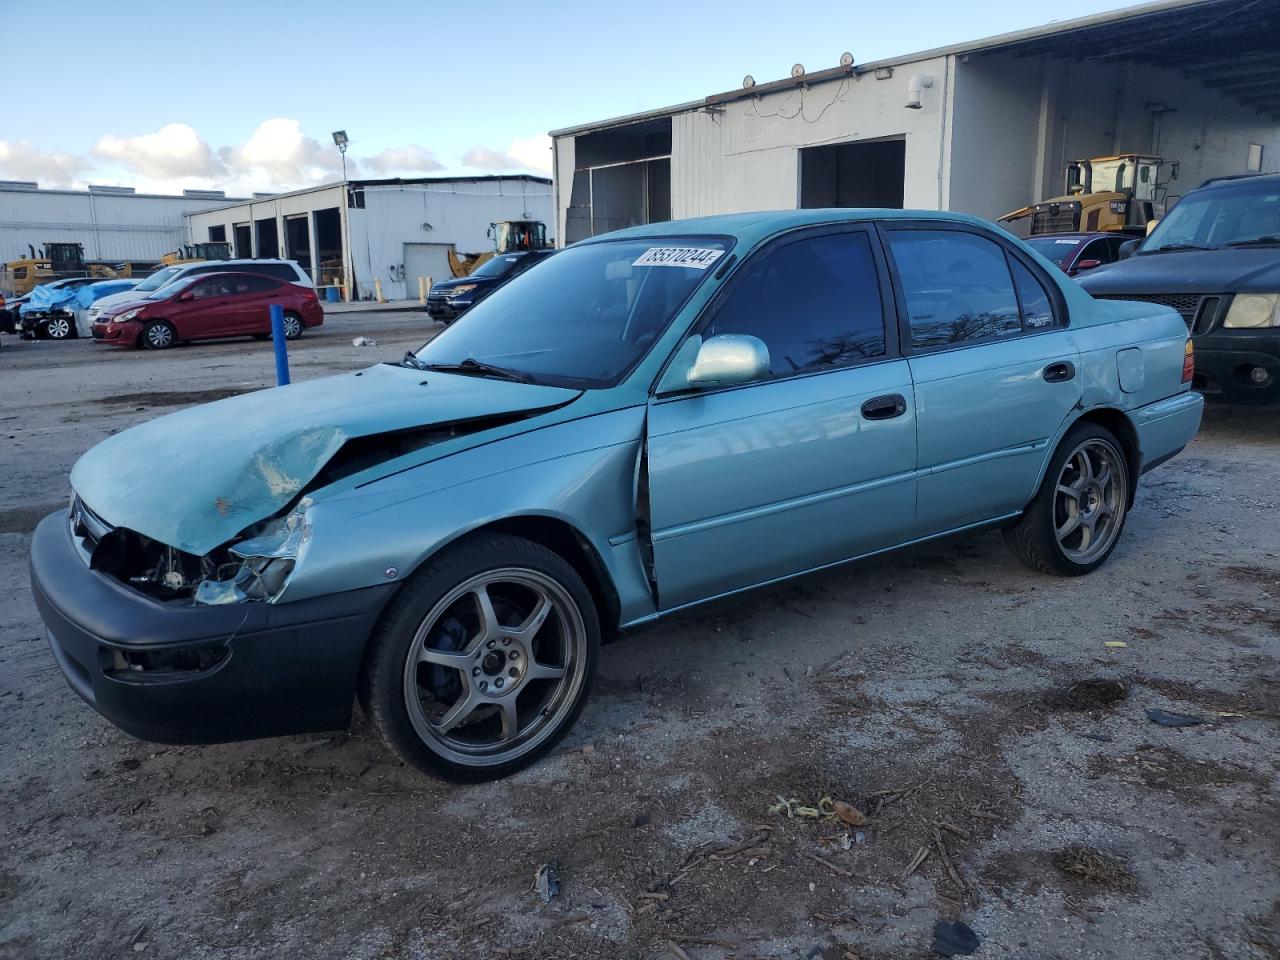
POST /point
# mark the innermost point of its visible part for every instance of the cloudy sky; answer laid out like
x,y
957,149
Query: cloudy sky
x,y
243,96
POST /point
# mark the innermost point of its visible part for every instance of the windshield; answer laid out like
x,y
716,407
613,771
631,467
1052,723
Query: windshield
x,y
497,267
1057,249
585,317
1249,210
156,280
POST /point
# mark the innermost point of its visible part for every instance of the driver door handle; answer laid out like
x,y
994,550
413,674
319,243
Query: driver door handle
x,y
1060,372
884,408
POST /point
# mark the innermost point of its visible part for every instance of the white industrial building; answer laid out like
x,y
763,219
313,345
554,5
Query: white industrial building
x,y
392,231
113,223
983,127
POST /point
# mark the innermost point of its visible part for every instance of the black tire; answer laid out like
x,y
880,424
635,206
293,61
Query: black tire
x,y
393,662
1034,539
292,326
158,335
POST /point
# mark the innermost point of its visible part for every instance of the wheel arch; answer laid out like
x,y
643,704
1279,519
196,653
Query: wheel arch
x,y
1117,422
563,538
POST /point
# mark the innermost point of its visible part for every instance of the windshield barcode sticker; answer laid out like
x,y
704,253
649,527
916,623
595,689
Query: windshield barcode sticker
x,y
697,258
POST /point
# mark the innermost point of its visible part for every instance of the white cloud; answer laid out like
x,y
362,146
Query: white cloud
x,y
395,161
533,155
174,152
281,155
278,156
19,160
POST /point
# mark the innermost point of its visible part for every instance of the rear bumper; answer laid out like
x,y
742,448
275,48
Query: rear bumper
x,y
1225,365
268,669
1166,426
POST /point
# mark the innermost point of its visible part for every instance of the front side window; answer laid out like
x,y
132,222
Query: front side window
x,y
586,317
957,287
814,302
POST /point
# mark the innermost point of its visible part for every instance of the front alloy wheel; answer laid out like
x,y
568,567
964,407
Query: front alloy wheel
x,y
59,328
484,660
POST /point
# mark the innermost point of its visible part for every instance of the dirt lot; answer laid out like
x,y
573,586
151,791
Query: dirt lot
x,y
938,692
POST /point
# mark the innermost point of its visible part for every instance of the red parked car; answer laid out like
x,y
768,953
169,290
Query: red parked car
x,y
214,305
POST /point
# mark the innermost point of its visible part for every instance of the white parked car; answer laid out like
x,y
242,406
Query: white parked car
x,y
282,269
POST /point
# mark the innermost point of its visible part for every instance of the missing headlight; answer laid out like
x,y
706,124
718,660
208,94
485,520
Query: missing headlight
x,y
267,557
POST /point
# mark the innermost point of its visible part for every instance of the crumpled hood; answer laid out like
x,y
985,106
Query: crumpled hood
x,y
1235,270
196,478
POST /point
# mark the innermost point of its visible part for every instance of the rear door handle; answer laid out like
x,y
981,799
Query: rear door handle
x,y
884,408
1060,372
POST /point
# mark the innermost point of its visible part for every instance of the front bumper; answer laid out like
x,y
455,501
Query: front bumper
x,y
269,669
446,311
1225,362
121,334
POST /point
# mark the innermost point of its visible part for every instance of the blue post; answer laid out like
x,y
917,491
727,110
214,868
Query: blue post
x,y
277,337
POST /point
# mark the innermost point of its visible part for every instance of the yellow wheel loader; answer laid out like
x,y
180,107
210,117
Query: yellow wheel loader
x,y
1119,194
509,236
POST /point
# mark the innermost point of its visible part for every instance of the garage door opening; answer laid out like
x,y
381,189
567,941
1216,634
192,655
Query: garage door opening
x,y
268,239
869,173
297,241
623,179
328,225
244,242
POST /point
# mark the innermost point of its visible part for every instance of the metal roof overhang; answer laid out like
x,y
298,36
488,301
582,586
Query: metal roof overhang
x,y
1232,46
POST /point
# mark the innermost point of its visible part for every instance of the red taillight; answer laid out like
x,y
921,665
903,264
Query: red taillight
x,y
1188,363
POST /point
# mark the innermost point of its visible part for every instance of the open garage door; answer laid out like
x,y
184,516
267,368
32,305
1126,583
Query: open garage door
x,y
425,260
867,173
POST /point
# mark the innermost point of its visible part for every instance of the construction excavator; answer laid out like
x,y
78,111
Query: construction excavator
x,y
60,261
196,252
1119,194
509,236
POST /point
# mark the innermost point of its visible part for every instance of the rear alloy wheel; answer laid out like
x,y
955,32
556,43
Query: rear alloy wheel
x,y
1075,520
158,335
484,660
59,328
292,326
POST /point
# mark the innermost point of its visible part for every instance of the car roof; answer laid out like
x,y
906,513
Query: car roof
x,y
1236,179
212,274
1082,234
751,227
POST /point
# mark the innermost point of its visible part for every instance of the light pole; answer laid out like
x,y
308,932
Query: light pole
x,y
340,141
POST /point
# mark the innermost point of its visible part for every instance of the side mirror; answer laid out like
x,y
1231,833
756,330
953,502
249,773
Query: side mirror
x,y
728,359
1128,249
1088,264
186,295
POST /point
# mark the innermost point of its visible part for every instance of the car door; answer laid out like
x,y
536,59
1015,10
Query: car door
x,y
203,315
250,307
812,463
994,368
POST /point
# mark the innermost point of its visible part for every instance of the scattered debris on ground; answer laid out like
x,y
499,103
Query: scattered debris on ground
x,y
1165,718
546,882
1086,695
954,938
1097,867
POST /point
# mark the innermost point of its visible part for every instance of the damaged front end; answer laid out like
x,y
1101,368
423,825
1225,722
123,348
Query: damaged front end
x,y
252,567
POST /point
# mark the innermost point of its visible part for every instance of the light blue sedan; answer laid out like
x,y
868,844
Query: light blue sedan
x,y
647,421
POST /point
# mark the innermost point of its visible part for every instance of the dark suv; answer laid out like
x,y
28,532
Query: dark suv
x,y
450,299
1215,258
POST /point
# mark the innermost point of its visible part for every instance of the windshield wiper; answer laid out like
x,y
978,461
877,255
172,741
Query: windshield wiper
x,y
410,359
1177,246
473,367
1266,241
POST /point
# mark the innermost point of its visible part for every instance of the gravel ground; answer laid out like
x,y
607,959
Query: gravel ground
x,y
940,692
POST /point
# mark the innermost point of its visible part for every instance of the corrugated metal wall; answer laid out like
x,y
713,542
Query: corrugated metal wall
x,y
111,226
